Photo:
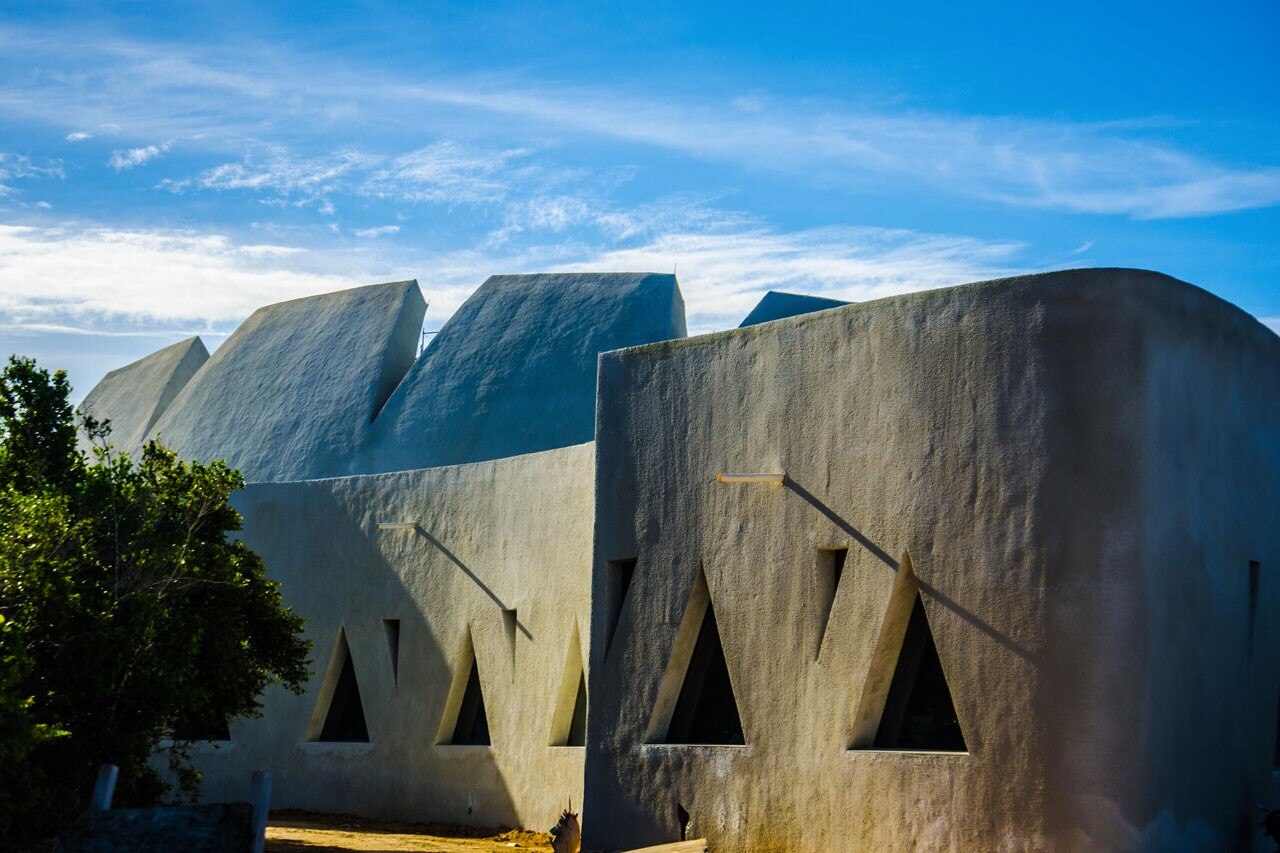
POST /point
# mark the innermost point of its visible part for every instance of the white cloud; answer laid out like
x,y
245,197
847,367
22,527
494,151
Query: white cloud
x,y
280,173
79,136
128,159
19,166
723,274
377,232
121,281
446,172
109,277
1131,168
1080,167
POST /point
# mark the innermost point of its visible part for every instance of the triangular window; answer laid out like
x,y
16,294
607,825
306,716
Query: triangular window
x,y
569,722
391,627
344,712
465,722
696,704
830,570
706,711
472,728
906,703
919,713
617,585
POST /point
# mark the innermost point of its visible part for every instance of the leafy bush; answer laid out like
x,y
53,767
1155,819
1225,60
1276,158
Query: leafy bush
x,y
129,613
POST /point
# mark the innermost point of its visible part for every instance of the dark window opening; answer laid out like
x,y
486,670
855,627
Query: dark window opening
x,y
344,722
919,713
578,726
472,728
392,629
830,570
617,584
509,624
706,711
1255,578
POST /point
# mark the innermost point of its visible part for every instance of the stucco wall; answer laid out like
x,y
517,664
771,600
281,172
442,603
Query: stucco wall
x,y
134,397
291,393
508,534
1079,466
514,370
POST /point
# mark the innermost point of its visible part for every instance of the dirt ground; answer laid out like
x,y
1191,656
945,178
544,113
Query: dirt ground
x,y
303,832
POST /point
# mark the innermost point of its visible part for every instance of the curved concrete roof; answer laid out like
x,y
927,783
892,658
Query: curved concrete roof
x,y
775,305
134,397
514,370
290,395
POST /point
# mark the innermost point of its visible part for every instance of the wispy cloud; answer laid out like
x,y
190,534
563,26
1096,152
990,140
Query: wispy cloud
x,y
19,166
1132,168
445,172
79,136
101,275
724,273
88,277
380,231
133,157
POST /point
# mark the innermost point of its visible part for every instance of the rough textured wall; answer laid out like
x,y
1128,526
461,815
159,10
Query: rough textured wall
x,y
492,536
514,370
133,397
1079,466
291,394
775,305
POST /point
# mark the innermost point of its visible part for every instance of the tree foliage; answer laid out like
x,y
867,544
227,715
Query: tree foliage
x,y
132,621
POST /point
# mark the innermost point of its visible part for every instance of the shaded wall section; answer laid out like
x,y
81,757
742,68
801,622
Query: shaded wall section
x,y
514,370
291,393
492,571
1073,473
134,397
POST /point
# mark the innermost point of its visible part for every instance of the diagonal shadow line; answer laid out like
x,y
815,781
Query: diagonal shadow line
x,y
945,600
474,577
970,617
840,522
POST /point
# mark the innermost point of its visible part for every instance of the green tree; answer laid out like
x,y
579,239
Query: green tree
x,y
133,621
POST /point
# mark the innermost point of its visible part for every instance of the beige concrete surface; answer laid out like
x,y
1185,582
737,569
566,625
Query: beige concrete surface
x,y
508,535
1080,467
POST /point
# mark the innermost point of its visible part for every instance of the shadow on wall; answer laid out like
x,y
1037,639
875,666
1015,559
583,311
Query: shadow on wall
x,y
933,592
453,558
361,738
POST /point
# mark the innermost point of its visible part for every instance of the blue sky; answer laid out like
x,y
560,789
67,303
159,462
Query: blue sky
x,y
165,170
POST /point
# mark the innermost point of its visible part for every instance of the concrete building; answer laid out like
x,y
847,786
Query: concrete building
x,y
986,567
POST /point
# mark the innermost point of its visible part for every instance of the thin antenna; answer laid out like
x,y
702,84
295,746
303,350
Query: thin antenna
x,y
422,341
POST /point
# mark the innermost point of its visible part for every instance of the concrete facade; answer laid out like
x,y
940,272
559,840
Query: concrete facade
x,y
514,370
1075,470
1003,578
134,397
290,395
493,569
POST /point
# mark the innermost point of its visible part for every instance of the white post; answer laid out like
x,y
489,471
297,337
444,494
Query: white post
x,y
105,788
260,799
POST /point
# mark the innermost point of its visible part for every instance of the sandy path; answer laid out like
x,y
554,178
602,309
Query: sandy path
x,y
307,833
